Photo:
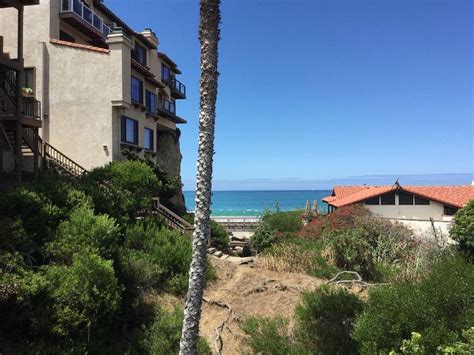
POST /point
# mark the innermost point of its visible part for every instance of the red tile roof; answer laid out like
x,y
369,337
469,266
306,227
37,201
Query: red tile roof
x,y
456,196
79,46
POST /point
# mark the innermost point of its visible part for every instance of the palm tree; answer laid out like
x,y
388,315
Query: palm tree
x,y
209,37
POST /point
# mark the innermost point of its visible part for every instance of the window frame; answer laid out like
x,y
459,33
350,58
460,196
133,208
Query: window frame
x,y
406,194
163,67
369,200
420,201
33,79
123,130
140,98
449,211
137,48
385,202
148,94
149,131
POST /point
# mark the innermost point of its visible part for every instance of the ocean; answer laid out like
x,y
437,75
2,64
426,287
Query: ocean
x,y
254,203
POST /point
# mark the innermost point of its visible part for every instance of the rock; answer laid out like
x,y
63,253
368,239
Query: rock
x,y
211,250
218,253
168,158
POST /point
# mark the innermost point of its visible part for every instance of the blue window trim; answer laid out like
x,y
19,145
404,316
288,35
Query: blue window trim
x,y
138,99
124,130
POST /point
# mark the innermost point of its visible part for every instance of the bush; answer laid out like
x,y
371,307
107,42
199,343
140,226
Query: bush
x,y
219,236
325,319
283,222
84,231
268,336
122,189
352,251
463,228
262,238
164,334
83,299
439,307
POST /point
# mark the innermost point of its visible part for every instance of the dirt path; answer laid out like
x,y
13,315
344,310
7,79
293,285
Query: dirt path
x,y
247,291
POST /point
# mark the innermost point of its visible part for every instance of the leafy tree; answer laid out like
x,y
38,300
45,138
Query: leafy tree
x,y
463,228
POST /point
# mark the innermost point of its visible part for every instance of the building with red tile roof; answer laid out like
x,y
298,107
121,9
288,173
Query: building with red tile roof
x,y
404,202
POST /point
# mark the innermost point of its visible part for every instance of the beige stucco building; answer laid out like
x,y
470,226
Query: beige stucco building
x,y
103,87
420,207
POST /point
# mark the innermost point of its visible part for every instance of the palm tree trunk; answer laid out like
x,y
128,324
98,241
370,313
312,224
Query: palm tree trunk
x,y
209,37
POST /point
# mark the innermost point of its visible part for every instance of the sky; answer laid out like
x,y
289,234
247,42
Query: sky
x,y
324,90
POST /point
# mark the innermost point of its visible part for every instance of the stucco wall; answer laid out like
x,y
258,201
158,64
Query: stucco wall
x,y
80,110
433,210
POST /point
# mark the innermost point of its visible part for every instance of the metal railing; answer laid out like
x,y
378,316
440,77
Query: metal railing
x,y
63,161
177,87
8,83
172,220
31,107
167,105
77,7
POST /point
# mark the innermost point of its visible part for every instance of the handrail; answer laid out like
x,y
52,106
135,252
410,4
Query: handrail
x,y
177,86
31,107
172,219
8,83
77,7
62,160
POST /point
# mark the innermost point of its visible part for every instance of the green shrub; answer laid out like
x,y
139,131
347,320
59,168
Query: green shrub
x,y
84,231
284,222
463,228
325,319
263,237
164,334
268,336
352,251
122,189
439,307
219,236
38,216
83,299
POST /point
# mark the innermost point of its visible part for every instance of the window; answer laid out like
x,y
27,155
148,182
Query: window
x,y
449,211
137,90
63,36
165,73
129,130
421,201
405,198
150,102
388,199
148,139
372,201
29,79
139,53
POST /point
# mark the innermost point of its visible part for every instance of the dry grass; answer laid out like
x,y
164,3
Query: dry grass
x,y
288,257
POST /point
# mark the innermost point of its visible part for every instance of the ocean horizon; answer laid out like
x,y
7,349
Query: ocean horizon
x,y
254,203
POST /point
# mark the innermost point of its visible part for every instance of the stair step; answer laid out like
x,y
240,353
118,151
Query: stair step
x,y
218,253
211,250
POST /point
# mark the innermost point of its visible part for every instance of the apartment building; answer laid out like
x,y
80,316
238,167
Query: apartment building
x,y
104,88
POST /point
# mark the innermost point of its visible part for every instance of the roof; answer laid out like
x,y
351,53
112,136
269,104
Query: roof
x,y
79,46
456,196
170,62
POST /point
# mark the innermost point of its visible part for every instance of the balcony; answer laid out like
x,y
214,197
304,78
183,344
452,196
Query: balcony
x,y
79,16
167,109
178,90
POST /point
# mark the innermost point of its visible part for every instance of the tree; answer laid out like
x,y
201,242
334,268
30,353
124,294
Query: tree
x,y
463,228
209,34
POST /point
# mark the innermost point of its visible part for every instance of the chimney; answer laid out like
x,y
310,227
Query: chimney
x,y
151,36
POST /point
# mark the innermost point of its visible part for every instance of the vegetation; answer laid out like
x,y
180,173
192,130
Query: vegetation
x,y
77,267
219,237
424,304
463,229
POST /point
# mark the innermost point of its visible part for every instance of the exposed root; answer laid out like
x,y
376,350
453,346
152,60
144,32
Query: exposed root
x,y
355,282
218,343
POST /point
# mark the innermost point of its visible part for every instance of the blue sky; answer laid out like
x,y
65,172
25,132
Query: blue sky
x,y
318,90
